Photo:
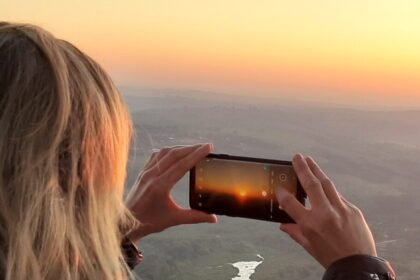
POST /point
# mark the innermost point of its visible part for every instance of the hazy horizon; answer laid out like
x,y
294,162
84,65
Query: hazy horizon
x,y
273,99
343,52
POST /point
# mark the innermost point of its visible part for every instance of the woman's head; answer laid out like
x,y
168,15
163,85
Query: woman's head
x,y
64,140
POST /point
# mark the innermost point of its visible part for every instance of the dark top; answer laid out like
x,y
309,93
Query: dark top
x,y
132,255
360,267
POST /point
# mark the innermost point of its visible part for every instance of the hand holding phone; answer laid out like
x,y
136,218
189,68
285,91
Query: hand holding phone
x,y
150,200
243,187
333,228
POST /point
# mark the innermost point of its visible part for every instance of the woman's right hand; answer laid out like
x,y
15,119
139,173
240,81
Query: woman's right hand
x,y
332,228
151,201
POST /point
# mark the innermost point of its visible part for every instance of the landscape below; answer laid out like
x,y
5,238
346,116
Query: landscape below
x,y
372,156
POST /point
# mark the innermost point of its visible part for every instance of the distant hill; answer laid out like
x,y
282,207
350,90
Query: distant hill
x,y
372,155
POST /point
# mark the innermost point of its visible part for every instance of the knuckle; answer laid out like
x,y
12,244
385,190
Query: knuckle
x,y
147,174
287,202
331,220
327,219
174,153
326,182
347,211
357,211
351,213
150,177
312,183
164,150
353,209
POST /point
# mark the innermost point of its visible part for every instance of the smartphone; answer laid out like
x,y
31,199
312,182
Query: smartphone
x,y
243,187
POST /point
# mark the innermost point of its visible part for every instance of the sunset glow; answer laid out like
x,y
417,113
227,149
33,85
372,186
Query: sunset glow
x,y
243,180
358,52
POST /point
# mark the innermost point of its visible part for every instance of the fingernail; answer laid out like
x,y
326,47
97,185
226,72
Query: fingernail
x,y
298,157
211,147
211,219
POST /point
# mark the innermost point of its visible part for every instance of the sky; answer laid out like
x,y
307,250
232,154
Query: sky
x,y
243,179
346,52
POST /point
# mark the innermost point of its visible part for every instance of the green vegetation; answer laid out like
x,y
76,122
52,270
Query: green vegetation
x,y
373,156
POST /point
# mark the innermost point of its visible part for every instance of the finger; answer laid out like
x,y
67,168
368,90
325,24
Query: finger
x,y
291,205
328,186
293,230
182,166
190,216
154,168
152,160
146,168
173,155
158,154
310,183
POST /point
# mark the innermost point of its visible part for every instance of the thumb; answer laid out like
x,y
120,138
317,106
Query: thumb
x,y
191,216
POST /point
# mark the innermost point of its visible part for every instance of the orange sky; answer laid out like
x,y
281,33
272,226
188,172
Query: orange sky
x,y
358,52
243,179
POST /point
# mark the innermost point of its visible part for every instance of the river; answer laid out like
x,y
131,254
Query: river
x,y
246,269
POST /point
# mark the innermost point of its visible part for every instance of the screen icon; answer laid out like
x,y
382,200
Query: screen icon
x,y
283,177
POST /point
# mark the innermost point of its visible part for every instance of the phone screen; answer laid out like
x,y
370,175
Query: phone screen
x,y
243,188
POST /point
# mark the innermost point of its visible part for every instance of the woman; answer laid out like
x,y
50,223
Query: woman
x,y
64,140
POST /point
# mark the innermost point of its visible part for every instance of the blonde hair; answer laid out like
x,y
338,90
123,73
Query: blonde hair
x,y
64,140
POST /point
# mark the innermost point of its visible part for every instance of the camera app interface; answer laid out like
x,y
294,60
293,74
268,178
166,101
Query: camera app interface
x,y
240,188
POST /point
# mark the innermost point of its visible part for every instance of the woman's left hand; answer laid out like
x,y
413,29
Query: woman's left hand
x,y
150,199
331,228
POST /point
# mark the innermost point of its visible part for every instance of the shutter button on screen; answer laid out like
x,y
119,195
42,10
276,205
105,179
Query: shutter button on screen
x,y
283,177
